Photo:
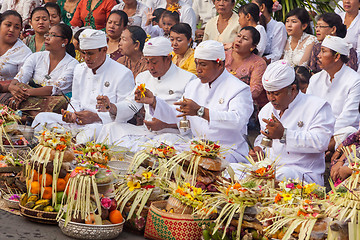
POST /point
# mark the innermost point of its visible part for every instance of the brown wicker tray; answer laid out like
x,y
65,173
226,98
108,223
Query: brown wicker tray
x,y
38,216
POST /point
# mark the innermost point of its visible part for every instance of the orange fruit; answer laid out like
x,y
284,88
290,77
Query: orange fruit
x,y
48,179
47,193
35,175
60,185
115,217
66,178
35,187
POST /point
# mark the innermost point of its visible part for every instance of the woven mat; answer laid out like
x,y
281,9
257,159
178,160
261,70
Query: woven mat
x,y
10,210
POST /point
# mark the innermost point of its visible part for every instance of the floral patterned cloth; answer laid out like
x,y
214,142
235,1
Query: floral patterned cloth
x,y
66,17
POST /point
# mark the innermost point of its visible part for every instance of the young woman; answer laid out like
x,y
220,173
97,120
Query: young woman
x,y
13,51
330,24
249,16
300,42
131,46
181,41
115,25
55,13
45,75
242,61
135,10
40,21
275,31
225,26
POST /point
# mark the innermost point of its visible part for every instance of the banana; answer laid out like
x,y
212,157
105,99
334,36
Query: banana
x,y
32,198
48,209
23,199
30,204
39,207
43,202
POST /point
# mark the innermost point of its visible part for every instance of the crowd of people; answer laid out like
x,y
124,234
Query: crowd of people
x,y
130,71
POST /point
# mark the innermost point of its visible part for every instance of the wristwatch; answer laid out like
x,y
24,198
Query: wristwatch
x,y
283,138
200,112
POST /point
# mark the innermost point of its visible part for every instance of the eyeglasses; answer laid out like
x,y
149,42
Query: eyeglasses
x,y
50,35
319,26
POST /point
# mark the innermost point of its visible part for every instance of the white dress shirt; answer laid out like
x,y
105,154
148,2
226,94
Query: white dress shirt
x,y
343,94
204,11
111,79
228,35
310,124
263,40
12,60
276,40
154,4
230,106
353,33
169,87
36,67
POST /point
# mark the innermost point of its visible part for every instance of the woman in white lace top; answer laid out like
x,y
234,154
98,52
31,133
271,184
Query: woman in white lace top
x,y
301,41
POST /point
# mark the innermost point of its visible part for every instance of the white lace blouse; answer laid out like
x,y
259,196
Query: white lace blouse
x,y
295,57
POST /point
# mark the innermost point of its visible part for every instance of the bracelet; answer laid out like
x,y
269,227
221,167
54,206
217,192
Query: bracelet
x,y
338,150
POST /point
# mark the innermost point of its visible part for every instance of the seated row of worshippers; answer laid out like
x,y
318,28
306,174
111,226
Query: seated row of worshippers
x,y
217,104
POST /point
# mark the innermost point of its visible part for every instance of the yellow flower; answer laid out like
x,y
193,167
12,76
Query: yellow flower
x,y
197,191
147,175
287,197
309,188
132,186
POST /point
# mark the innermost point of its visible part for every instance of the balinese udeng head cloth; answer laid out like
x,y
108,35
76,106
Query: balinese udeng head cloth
x,y
336,44
92,39
157,47
278,75
210,50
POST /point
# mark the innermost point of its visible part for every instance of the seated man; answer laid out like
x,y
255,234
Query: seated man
x,y
299,125
163,78
98,75
218,104
339,85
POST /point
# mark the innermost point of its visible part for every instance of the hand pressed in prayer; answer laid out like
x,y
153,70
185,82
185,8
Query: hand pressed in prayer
x,y
68,116
86,117
254,153
103,103
18,92
155,124
274,128
187,107
14,103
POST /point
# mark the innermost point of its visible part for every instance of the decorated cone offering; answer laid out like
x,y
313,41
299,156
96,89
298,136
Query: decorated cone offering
x,y
47,171
8,121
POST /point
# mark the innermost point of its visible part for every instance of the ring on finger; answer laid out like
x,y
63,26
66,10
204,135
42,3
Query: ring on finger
x,y
266,131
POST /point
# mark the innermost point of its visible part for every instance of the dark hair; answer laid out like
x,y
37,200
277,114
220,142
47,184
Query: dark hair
x,y
255,35
157,13
302,74
123,16
252,9
38,9
66,33
138,35
7,13
182,28
302,15
343,58
54,6
268,4
173,15
334,20
77,34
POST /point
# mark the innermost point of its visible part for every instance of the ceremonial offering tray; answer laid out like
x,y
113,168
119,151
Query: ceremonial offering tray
x,y
88,231
38,216
119,167
10,201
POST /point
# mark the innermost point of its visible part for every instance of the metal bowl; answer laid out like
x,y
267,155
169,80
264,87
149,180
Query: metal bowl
x,y
119,167
10,203
88,231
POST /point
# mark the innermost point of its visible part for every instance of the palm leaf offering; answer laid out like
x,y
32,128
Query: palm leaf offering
x,y
9,123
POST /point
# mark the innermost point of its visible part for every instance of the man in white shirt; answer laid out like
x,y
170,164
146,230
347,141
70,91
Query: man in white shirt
x,y
299,125
98,75
163,78
217,104
338,84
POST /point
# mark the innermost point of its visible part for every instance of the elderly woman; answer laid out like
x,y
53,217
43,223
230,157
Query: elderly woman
x,y
135,10
181,41
45,75
93,13
40,21
244,63
330,24
300,42
225,26
13,50
115,25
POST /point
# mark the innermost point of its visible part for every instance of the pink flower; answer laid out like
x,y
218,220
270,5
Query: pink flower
x,y
106,203
290,185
